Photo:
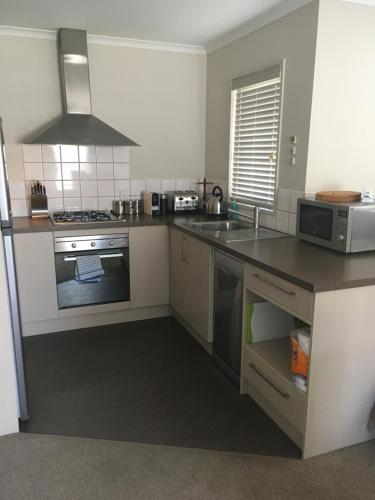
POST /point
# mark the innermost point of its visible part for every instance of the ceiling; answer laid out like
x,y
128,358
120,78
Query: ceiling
x,y
190,22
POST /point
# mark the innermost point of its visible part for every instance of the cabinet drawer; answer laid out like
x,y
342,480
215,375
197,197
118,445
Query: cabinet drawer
x,y
279,392
295,299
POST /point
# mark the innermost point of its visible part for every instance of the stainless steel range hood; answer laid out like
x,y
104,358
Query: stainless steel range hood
x,y
78,125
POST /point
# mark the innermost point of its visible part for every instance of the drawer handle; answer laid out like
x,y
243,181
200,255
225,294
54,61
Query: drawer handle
x,y
285,395
288,292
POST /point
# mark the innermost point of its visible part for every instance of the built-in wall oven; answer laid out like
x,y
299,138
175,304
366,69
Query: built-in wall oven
x,y
114,283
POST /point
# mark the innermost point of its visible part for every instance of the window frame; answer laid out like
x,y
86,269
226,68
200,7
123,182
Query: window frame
x,y
252,203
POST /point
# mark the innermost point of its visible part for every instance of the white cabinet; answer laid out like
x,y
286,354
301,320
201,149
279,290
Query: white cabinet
x,y
191,282
149,265
36,277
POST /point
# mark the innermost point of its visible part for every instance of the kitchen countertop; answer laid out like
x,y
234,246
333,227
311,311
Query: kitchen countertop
x,y
312,267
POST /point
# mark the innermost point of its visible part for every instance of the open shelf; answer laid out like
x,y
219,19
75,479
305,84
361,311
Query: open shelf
x,y
276,353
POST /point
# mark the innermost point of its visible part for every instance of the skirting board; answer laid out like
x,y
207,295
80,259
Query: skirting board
x,y
86,321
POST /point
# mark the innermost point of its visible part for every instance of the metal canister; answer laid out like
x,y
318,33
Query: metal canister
x,y
118,208
163,204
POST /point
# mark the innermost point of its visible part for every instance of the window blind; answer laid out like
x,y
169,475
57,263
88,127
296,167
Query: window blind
x,y
254,139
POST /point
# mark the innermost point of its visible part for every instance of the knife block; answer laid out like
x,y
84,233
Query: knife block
x,y
39,206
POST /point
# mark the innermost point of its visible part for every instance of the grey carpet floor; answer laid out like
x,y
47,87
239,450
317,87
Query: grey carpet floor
x,y
145,381
45,467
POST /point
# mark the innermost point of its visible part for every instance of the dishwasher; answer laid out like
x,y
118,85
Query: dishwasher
x,y
227,315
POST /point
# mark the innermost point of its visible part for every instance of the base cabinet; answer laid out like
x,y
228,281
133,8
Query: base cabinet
x,y
149,266
36,277
191,282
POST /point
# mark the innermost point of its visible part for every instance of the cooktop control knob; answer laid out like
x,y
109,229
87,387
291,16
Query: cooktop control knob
x,y
111,243
74,245
93,243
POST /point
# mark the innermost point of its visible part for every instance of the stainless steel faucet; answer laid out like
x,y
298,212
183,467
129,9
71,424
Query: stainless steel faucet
x,y
254,218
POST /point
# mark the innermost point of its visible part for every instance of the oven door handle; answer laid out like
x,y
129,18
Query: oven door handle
x,y
102,256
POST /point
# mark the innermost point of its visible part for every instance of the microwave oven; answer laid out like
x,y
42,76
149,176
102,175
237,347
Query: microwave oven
x,y
345,227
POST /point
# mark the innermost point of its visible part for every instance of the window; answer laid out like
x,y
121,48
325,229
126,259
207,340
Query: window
x,y
254,137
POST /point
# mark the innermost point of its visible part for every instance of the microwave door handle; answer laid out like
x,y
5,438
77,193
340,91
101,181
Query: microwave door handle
x,y
102,256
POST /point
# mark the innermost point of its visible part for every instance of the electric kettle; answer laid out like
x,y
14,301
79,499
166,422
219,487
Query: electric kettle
x,y
215,205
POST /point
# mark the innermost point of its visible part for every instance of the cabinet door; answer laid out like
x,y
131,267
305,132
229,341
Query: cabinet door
x,y
199,287
36,276
178,272
149,266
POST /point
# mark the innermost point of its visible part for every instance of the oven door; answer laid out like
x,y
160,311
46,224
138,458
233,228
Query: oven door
x,y
113,286
316,222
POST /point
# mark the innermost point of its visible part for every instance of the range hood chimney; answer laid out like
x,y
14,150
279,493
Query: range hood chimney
x,y
78,125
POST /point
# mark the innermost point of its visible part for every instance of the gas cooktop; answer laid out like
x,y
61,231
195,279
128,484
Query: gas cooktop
x,y
84,217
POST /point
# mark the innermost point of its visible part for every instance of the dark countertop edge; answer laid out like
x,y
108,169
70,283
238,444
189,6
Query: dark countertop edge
x,y
27,225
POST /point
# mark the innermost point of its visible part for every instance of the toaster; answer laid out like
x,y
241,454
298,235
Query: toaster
x,y
181,201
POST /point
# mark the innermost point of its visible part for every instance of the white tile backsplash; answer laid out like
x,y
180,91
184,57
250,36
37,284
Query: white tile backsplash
x,y
137,186
282,221
182,184
51,153
54,189
153,185
87,171
292,224
121,171
90,203
105,170
105,203
71,204
168,185
283,200
19,208
104,154
106,188
52,171
70,171
87,154
17,190
55,204
121,154
69,153
89,188
122,189
72,189
32,153
83,176
34,171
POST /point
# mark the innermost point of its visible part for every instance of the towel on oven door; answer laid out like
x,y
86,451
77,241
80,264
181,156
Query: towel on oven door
x,y
88,269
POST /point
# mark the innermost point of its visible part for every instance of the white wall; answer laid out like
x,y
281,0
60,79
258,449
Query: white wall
x,y
8,387
293,37
342,120
155,97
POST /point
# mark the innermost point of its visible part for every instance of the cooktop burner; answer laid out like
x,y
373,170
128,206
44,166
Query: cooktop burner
x,y
86,216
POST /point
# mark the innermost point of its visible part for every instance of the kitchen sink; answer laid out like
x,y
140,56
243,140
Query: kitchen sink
x,y
232,231
225,225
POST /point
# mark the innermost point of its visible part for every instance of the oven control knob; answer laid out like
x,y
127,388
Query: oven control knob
x,y
74,245
111,243
341,237
93,243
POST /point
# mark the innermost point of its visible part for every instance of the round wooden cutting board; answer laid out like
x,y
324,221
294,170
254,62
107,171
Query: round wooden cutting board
x,y
338,196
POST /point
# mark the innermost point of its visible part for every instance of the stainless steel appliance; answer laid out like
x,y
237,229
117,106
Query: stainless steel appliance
x,y
181,201
345,227
114,285
77,125
38,201
150,203
227,322
215,203
7,241
83,217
